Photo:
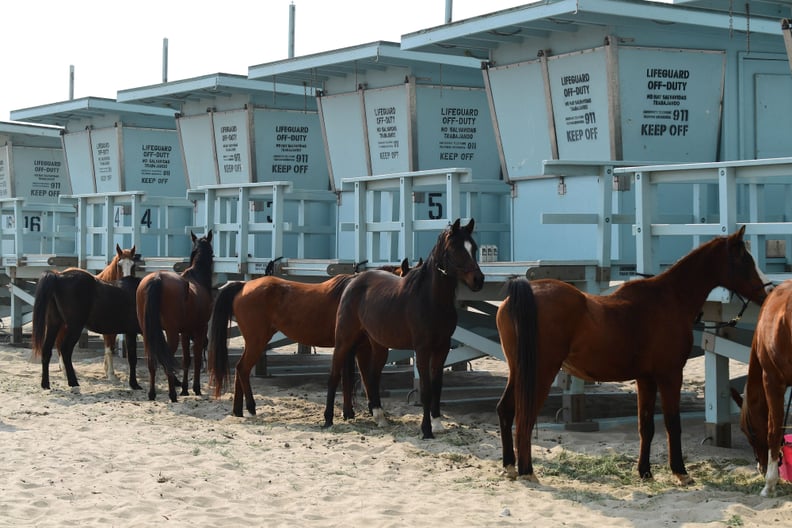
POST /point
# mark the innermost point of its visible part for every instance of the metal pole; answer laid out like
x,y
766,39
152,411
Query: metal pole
x,y
292,9
165,60
449,8
71,82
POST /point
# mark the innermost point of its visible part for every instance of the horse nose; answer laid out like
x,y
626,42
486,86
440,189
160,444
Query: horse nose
x,y
478,281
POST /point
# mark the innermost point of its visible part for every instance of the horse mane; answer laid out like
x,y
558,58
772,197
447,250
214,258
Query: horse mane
x,y
420,273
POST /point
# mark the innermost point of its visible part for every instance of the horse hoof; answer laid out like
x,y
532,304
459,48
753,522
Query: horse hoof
x,y
437,426
135,386
646,475
327,425
428,435
684,479
528,477
379,417
510,472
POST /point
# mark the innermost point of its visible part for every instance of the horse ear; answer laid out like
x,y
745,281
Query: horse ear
x,y
740,232
405,267
193,237
420,262
455,225
469,226
209,236
118,250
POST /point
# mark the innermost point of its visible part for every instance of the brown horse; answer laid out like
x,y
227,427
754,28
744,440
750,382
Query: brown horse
x,y
67,302
304,312
642,331
179,304
417,312
769,375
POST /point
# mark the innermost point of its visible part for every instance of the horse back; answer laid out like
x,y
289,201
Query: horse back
x,y
304,312
772,343
391,312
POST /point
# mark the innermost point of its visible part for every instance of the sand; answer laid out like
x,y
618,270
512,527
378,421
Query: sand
x,y
107,456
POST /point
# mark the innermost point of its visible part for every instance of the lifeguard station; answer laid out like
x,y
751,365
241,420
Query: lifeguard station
x,y
124,184
593,141
616,121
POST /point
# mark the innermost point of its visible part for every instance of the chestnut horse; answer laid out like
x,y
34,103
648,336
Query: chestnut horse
x,y
769,375
416,313
179,304
304,312
641,331
67,302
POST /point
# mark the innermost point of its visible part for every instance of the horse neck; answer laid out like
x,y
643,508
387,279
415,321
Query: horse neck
x,y
691,278
110,273
443,286
200,273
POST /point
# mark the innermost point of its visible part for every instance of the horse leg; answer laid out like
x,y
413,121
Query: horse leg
x,y
130,343
172,338
185,344
669,396
647,395
436,381
70,340
199,344
342,350
505,410
774,393
348,385
372,376
425,386
255,347
109,352
151,361
52,332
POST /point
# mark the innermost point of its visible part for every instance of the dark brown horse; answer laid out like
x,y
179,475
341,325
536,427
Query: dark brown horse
x,y
642,331
179,304
304,312
69,301
417,312
769,375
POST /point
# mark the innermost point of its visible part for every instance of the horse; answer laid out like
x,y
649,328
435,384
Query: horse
x,y
641,331
67,302
417,312
179,305
304,312
769,374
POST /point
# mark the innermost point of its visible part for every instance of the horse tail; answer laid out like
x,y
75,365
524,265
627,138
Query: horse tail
x,y
152,293
45,290
222,312
522,308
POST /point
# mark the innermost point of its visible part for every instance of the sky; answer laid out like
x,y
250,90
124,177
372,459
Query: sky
x,y
117,44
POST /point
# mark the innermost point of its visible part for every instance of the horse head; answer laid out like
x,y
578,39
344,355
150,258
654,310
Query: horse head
x,y
126,260
201,248
742,275
753,423
457,255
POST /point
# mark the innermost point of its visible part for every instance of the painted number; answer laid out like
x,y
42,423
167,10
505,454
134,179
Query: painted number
x,y
433,203
146,220
33,223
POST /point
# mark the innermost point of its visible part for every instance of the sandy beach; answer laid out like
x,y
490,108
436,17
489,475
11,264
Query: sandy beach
x,y
107,456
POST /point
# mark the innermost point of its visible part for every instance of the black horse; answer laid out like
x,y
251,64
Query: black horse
x,y
416,312
68,302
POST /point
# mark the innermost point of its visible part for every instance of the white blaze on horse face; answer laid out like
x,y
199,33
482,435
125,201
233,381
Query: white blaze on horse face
x,y
469,249
126,266
771,478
